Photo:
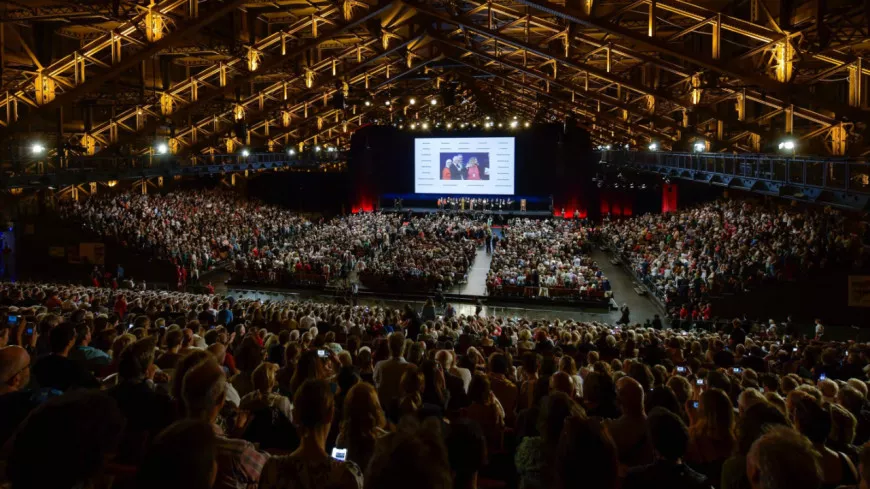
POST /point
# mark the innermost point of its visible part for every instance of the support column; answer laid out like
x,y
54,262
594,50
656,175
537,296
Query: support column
x,y
717,37
856,85
839,136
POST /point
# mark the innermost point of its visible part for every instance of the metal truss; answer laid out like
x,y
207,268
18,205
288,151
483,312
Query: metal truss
x,y
275,74
842,182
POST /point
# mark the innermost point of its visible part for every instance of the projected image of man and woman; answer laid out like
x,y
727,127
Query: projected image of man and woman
x,y
465,166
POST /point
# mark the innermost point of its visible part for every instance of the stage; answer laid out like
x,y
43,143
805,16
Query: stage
x,y
501,213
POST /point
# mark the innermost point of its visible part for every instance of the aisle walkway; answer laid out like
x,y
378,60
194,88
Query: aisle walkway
x,y
476,275
623,289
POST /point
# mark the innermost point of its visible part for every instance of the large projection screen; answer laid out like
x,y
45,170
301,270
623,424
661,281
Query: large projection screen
x,y
472,166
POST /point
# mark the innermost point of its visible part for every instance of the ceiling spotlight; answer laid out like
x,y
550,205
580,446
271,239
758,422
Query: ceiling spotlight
x,y
526,124
462,125
330,149
291,152
425,125
514,124
368,104
653,147
487,117
317,149
499,124
387,103
449,125
433,102
515,117
700,146
787,145
245,153
401,127
412,101
607,147
626,146
162,148
413,125
37,148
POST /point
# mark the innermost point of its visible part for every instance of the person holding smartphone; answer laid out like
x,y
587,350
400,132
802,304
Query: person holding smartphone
x,y
310,466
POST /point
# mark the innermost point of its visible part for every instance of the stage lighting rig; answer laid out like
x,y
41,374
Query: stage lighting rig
x,y
700,146
162,148
653,146
37,149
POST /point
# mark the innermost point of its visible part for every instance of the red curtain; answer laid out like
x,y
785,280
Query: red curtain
x,y
669,198
616,203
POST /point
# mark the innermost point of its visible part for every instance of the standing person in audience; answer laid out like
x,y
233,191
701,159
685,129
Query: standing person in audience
x,y
77,432
204,394
183,456
629,431
813,420
783,459
752,424
466,452
586,456
711,441
310,466
363,424
388,373
172,355
147,412
56,370
413,453
670,439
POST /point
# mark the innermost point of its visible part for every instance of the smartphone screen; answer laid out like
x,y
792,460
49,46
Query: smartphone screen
x,y
823,377
321,353
736,370
130,326
700,381
696,404
12,319
29,331
339,454
681,369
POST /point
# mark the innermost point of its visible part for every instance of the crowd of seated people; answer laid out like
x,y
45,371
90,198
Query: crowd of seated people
x,y
164,389
729,246
430,251
546,254
266,244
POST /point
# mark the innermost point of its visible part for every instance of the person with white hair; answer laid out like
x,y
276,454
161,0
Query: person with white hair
x,y
445,173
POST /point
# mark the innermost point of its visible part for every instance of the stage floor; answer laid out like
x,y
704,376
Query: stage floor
x,y
431,210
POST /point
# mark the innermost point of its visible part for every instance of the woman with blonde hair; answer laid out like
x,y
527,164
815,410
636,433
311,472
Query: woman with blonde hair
x,y
363,424
264,381
569,366
711,438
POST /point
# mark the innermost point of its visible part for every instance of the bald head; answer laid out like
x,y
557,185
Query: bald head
x,y
562,382
14,374
444,358
630,395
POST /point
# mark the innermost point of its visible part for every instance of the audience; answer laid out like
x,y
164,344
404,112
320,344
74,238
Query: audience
x,y
586,405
